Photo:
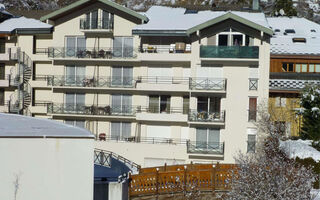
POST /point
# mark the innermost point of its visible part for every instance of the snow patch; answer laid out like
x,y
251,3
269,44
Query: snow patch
x,y
2,7
300,148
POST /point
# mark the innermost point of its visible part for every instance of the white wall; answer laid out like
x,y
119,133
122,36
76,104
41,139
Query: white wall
x,y
49,169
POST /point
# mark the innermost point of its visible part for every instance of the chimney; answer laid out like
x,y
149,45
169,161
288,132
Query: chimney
x,y
255,5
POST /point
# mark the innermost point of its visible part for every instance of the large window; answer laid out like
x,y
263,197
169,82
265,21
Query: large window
x,y
92,20
74,45
301,67
107,20
122,76
123,47
209,104
159,104
230,37
207,139
120,130
74,102
121,104
75,75
314,67
77,123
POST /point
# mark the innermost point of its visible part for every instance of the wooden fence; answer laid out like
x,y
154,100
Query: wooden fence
x,y
181,178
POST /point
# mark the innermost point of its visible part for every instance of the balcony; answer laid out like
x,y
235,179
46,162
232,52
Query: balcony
x,y
96,25
208,84
179,52
90,81
216,148
9,54
108,53
253,84
162,83
92,110
168,115
242,52
204,117
5,81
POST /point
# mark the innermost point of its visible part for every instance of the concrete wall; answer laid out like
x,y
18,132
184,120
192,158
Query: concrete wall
x,y
46,169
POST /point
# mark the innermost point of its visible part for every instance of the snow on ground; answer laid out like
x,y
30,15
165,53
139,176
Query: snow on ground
x,y
315,194
301,149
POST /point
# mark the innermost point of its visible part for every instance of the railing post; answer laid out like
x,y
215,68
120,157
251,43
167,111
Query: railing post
x,y
213,179
185,180
157,183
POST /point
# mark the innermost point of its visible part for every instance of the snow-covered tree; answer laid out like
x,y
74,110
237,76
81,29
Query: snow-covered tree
x,y
310,101
269,173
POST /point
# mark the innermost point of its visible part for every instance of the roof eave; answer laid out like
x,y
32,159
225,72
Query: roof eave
x,y
80,2
226,16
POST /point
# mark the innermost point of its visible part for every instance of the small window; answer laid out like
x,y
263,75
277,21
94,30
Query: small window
x,y
313,30
251,147
287,67
190,11
301,67
277,30
314,67
301,40
223,40
290,31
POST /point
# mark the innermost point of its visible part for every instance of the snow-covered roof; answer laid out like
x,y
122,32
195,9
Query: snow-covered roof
x,y
20,23
300,148
167,18
21,126
283,44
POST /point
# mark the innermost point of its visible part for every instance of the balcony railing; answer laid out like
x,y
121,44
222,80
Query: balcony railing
x,y
253,84
229,52
96,24
174,49
104,110
92,53
145,140
218,84
162,80
157,110
204,116
205,147
252,115
89,81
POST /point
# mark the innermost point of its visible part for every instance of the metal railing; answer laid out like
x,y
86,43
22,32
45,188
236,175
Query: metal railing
x,y
162,80
145,140
104,110
157,110
205,147
96,23
204,116
251,146
218,84
252,115
92,53
41,51
253,84
229,52
90,81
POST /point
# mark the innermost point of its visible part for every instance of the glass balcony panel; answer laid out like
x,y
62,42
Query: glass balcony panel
x,y
229,51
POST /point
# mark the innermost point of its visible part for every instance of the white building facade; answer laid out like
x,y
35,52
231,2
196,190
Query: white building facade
x,y
176,87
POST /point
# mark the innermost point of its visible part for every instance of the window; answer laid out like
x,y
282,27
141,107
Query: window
x,y
223,40
237,40
209,104
2,45
92,20
74,102
252,109
74,45
186,102
251,144
77,123
1,97
208,139
123,47
159,104
280,102
314,67
120,130
301,67
107,20
121,104
2,72
75,75
122,76
287,67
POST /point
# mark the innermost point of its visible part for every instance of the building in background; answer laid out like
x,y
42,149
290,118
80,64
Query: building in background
x,y
169,85
43,159
295,62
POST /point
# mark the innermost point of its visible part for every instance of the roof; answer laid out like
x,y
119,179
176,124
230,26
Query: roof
x,y
282,44
81,2
176,20
23,24
18,126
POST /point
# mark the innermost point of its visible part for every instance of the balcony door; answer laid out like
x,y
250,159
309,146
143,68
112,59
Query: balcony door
x,y
121,104
75,75
123,47
159,104
209,104
74,102
120,130
122,76
2,72
74,45
207,139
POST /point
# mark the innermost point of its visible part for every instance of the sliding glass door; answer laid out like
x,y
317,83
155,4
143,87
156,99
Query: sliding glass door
x,y
123,47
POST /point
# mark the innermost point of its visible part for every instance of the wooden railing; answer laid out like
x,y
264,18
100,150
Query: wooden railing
x,y
181,179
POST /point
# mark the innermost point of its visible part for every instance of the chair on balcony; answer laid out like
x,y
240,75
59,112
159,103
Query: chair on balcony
x,y
81,53
172,48
102,136
102,54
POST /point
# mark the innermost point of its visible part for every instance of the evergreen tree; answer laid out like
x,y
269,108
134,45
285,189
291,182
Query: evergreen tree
x,y
286,6
310,102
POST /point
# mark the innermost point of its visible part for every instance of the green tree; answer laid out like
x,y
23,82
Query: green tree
x,y
286,6
310,102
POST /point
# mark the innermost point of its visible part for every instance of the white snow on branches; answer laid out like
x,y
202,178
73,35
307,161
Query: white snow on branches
x,y
300,148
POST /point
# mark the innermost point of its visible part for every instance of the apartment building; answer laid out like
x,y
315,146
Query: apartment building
x,y
168,85
295,62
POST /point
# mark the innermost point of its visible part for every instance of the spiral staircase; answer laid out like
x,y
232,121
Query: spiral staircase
x,y
20,100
